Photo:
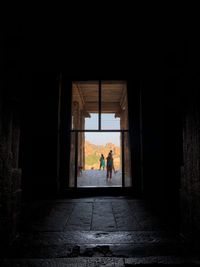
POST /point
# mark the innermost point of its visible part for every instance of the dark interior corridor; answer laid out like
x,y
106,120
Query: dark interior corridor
x,y
44,222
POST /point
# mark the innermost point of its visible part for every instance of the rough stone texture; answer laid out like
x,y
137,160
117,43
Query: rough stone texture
x,y
97,262
190,184
10,174
80,218
45,118
64,233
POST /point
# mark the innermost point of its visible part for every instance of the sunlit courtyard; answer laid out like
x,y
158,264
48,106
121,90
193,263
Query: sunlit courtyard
x,y
97,178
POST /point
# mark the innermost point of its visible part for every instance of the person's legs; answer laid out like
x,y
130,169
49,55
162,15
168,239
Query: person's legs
x,y
107,175
113,168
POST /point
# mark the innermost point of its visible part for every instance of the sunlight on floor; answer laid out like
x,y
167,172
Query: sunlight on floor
x,y
96,178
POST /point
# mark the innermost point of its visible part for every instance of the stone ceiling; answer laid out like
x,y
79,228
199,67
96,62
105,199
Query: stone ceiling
x,y
112,95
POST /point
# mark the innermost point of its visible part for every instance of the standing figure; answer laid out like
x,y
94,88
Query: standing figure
x,y
113,162
109,165
102,162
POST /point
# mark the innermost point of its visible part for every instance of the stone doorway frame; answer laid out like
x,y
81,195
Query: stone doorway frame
x,y
99,130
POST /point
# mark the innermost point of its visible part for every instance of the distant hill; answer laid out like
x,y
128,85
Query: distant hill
x,y
93,153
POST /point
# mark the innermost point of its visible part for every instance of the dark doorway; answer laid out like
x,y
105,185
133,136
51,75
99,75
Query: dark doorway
x,y
99,124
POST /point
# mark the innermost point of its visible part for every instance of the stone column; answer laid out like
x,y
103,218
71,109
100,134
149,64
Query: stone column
x,y
83,136
122,127
10,172
81,140
75,115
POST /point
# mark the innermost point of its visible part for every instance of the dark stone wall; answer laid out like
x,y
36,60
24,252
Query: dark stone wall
x,y
190,178
40,136
10,172
170,139
160,149
152,139
161,127
165,127
134,113
10,135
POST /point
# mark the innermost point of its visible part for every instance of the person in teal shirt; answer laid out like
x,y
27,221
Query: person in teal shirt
x,y
102,162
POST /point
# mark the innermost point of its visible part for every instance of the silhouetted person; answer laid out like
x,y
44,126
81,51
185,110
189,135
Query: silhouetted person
x,y
109,165
102,162
113,161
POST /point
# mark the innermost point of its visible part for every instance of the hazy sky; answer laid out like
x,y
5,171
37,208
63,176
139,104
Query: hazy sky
x,y
108,122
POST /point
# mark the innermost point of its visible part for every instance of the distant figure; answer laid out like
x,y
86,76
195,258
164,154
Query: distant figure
x,y
102,162
109,165
113,162
80,170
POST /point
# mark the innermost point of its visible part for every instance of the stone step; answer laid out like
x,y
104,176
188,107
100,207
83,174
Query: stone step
x,y
102,250
99,261
96,243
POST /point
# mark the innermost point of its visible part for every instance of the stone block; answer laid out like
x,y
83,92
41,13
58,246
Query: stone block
x,y
16,179
16,201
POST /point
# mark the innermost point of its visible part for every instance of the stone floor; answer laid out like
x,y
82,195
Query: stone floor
x,y
97,178
100,231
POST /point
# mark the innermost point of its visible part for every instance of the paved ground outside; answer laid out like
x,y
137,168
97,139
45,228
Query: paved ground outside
x,y
100,231
96,178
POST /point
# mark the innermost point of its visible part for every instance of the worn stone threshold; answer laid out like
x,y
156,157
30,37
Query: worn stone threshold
x,y
98,191
122,244
101,237
100,261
